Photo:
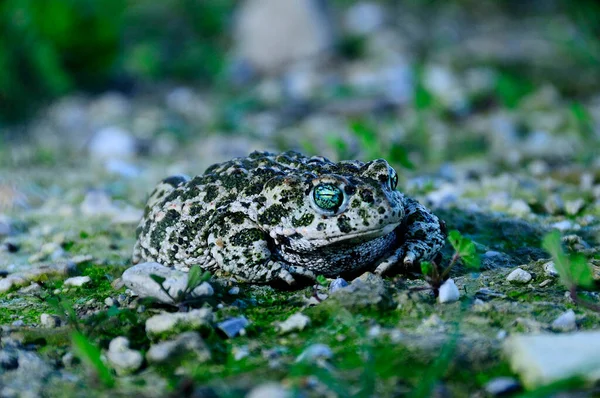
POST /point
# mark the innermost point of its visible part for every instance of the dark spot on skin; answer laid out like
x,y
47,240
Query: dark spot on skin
x,y
321,226
303,221
138,231
237,217
174,181
158,235
350,190
272,215
355,204
343,223
180,240
366,196
247,237
211,193
381,210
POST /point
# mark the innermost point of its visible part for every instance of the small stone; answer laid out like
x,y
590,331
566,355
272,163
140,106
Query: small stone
x,y
123,359
448,292
546,283
367,291
269,390
166,323
433,324
233,326
112,142
78,281
49,321
240,352
542,359
109,301
295,322
18,323
566,322
550,269
315,352
501,386
573,207
137,278
566,225
34,287
185,344
519,276
364,18
337,283
519,208
234,291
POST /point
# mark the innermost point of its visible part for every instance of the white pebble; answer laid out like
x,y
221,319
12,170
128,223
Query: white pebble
x,y
565,322
519,276
448,292
78,281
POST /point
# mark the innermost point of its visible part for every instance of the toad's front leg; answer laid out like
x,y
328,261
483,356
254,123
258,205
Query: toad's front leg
x,y
423,236
241,249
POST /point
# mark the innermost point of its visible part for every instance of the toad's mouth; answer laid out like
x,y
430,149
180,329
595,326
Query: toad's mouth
x,y
350,238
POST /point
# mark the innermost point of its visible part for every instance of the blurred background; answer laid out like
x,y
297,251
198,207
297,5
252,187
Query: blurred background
x,y
422,83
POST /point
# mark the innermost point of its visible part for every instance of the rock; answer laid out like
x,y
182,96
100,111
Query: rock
x,y
112,142
502,386
315,352
295,322
269,390
546,358
448,292
240,352
271,34
554,204
49,321
519,208
234,291
364,18
24,373
566,225
367,291
233,326
550,269
33,288
433,324
337,283
78,281
123,359
184,344
137,278
97,203
519,276
566,322
18,323
166,324
573,207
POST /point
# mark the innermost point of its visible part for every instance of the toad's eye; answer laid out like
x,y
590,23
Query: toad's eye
x,y
393,179
328,197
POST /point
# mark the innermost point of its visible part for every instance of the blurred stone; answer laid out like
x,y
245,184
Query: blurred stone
x,y
112,142
315,352
184,344
123,359
572,207
271,34
364,18
550,269
546,358
269,390
338,283
49,321
566,322
78,281
233,326
448,292
296,322
172,323
501,386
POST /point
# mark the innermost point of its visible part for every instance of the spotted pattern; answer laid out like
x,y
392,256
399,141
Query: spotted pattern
x,y
256,218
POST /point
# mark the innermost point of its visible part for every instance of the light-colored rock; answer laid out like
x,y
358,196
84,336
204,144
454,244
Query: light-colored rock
x,y
271,34
366,291
573,207
566,322
77,281
123,359
112,142
234,291
49,321
448,292
566,225
364,18
550,269
519,276
269,390
337,283
546,358
137,278
315,352
166,324
233,326
501,386
185,343
295,322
